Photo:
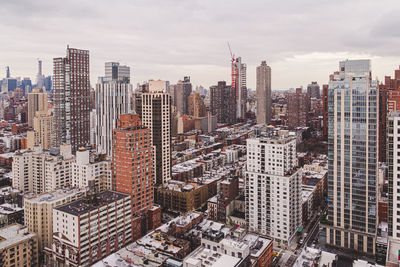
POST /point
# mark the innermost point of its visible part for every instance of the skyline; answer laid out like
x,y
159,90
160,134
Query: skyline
x,y
189,38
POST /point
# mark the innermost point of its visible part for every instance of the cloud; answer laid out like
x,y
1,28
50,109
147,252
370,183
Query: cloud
x,y
173,38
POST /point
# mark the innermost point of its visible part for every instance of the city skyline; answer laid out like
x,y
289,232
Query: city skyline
x,y
154,50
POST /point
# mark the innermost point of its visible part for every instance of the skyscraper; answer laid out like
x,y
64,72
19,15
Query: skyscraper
x,y
223,102
313,90
352,158
37,102
298,108
116,72
113,98
239,83
182,90
154,109
133,161
196,107
43,131
264,100
40,76
273,186
72,99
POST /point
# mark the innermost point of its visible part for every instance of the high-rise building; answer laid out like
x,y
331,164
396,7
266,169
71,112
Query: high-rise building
x,y
239,84
91,167
40,76
37,102
113,98
352,158
298,108
181,93
389,100
273,186
41,171
133,162
116,72
325,110
313,90
72,99
223,102
156,86
43,131
38,211
264,99
26,85
154,109
196,107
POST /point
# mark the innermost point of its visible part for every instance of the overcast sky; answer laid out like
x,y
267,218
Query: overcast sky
x,y
302,40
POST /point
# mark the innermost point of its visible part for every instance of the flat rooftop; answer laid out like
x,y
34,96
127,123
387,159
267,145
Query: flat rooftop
x,y
83,205
12,234
208,258
57,195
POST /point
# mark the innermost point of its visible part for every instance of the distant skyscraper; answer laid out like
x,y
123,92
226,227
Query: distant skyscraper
x,y
113,98
37,101
352,158
155,111
43,131
298,108
48,83
313,90
40,76
264,99
8,72
239,83
273,186
196,107
116,72
223,102
133,161
72,98
26,85
181,93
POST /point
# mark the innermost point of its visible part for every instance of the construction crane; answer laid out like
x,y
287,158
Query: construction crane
x,y
230,51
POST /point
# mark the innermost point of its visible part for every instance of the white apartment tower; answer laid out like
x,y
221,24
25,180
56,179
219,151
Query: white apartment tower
x,y
41,171
264,100
112,100
273,186
86,168
154,110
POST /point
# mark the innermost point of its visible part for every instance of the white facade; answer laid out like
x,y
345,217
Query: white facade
x,y
112,100
273,187
84,169
241,96
41,171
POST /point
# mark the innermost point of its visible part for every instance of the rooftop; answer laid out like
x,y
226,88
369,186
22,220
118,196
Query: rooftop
x,y
84,205
209,258
55,196
12,234
7,208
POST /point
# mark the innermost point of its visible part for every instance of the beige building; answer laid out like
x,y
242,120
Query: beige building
x,y
18,247
43,129
39,212
37,101
41,171
264,100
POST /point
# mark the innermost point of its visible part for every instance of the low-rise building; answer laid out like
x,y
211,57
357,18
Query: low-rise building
x,y
18,247
91,228
39,212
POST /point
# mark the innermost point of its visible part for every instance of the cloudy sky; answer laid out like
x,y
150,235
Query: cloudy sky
x,y
302,40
